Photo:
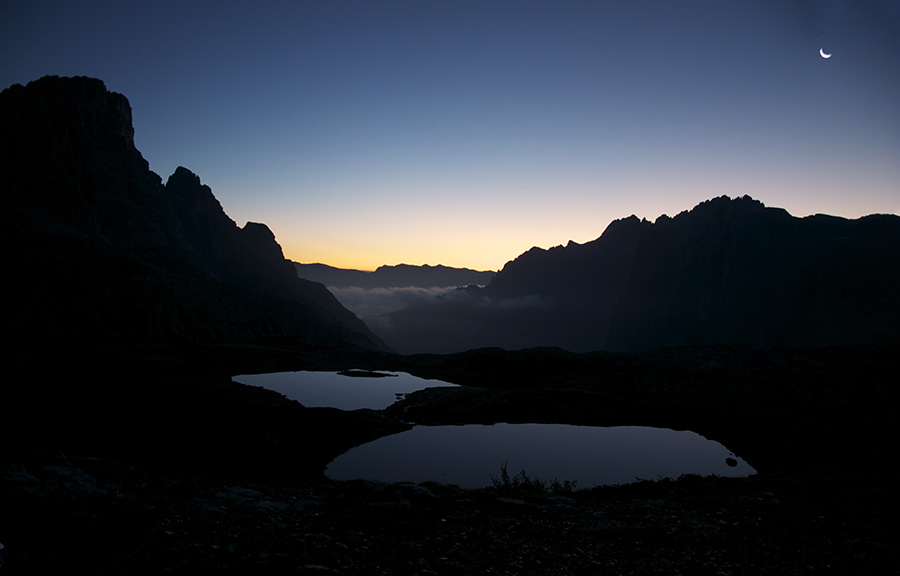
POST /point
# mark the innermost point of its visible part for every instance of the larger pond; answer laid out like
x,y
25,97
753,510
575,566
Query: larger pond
x,y
350,390
469,456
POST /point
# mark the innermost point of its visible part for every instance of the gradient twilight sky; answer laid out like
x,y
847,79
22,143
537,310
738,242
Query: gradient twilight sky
x,y
464,133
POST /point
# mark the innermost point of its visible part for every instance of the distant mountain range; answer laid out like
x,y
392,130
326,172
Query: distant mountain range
x,y
391,288
97,250
400,276
730,271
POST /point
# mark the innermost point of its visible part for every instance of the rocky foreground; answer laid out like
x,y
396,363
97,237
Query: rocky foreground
x,y
108,517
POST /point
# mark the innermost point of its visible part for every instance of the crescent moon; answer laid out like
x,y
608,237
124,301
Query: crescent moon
x,y
823,54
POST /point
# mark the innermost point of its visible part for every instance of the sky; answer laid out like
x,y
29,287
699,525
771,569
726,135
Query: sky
x,y
464,133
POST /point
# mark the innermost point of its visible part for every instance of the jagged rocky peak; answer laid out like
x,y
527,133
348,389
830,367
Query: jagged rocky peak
x,y
261,240
259,233
183,181
187,188
621,224
103,115
742,206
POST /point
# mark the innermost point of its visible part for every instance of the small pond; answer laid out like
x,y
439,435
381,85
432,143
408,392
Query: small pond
x,y
592,456
349,390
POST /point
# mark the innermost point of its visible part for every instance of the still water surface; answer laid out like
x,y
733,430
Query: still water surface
x,y
592,456
470,455
332,389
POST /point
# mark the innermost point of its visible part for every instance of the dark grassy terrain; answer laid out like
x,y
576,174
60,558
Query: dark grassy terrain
x,y
156,463
105,517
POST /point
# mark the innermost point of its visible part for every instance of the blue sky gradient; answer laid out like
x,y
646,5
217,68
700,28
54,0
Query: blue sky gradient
x,y
464,133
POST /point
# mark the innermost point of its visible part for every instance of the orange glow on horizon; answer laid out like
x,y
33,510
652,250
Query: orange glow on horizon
x,y
485,247
367,261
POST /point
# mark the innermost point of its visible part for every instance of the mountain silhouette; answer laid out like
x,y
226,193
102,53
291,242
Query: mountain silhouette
x,y
99,251
729,271
399,276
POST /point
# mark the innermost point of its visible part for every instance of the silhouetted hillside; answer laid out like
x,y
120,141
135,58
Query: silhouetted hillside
x,y
98,250
730,271
399,276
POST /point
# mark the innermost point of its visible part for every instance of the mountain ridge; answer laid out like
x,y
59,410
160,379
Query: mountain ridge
x,y
729,271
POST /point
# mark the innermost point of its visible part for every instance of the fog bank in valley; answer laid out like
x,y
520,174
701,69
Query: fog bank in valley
x,y
368,302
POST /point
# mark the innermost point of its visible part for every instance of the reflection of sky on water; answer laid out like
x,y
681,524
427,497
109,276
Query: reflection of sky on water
x,y
469,455
330,389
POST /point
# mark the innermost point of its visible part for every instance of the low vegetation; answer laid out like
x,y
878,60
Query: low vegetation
x,y
523,483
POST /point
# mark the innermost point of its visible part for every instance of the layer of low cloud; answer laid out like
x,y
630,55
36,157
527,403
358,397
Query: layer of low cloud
x,y
377,301
461,319
369,302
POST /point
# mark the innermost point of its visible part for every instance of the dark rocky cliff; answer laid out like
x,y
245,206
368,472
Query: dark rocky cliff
x,y
738,272
98,250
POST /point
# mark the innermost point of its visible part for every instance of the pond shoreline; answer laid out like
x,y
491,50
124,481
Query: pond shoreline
x,y
585,456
